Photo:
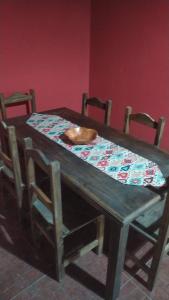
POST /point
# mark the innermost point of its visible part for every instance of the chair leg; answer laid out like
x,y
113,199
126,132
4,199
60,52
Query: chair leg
x,y
100,234
1,187
59,260
19,199
60,271
160,247
157,257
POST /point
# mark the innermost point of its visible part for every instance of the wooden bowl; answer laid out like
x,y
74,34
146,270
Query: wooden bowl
x,y
81,135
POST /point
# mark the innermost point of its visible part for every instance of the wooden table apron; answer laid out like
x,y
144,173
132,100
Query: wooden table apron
x,y
119,202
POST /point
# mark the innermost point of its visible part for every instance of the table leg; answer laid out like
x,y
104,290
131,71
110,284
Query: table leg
x,y
116,256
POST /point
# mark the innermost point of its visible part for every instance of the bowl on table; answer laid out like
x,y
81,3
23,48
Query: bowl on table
x,y
81,135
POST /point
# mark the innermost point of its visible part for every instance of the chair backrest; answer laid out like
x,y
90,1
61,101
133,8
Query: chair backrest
x,y
16,99
144,119
9,158
49,200
104,105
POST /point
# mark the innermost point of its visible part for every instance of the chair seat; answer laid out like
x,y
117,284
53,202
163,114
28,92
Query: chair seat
x,y
7,173
151,217
73,242
76,215
43,211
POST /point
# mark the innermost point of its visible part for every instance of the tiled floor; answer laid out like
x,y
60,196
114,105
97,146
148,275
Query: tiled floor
x,y
24,275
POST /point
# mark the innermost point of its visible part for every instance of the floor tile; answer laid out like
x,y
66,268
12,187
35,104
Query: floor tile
x,y
28,274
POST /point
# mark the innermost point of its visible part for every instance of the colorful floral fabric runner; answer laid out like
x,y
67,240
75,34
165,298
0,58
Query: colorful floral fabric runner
x,y
114,160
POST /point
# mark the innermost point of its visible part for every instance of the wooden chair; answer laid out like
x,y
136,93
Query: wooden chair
x,y
153,228
64,220
106,106
145,119
149,231
16,99
10,172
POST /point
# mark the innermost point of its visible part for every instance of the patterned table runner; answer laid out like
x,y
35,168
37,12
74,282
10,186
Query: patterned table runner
x,y
114,160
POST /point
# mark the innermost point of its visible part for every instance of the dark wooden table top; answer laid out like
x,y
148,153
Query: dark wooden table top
x,y
122,202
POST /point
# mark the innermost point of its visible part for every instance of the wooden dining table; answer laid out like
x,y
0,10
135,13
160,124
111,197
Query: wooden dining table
x,y
120,203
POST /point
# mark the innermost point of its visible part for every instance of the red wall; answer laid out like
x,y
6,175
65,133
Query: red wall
x,y
130,57
45,46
